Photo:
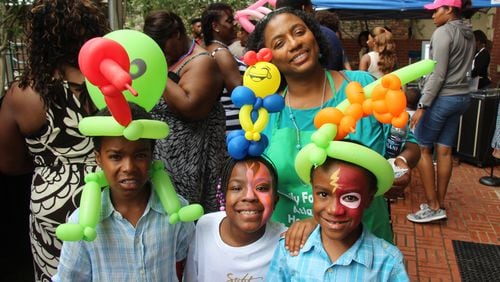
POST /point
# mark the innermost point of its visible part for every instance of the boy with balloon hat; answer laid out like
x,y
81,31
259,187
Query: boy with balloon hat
x,y
137,222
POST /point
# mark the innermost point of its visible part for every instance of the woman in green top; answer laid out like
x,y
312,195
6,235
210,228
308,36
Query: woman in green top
x,y
300,52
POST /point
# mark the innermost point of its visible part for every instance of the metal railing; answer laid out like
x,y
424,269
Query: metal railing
x,y
15,60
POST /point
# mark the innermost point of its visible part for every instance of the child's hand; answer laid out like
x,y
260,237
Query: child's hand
x,y
297,234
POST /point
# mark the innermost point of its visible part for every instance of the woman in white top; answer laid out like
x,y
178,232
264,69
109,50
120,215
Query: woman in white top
x,y
383,59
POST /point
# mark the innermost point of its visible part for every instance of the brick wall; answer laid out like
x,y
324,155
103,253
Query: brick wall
x,y
403,46
399,28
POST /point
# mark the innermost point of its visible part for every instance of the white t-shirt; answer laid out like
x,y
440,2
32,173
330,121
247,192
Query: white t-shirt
x,y
210,259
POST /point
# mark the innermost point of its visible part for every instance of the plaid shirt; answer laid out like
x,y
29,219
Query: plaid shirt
x,y
369,259
121,252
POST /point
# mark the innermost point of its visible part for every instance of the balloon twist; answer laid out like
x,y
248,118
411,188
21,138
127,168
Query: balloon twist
x,y
256,99
315,153
90,205
382,98
105,63
255,11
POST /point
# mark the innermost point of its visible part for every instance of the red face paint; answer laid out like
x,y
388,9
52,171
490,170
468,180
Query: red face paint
x,y
341,194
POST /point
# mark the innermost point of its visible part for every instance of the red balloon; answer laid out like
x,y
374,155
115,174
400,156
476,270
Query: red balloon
x,y
106,64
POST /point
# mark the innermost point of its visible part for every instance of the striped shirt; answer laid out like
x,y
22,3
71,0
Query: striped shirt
x,y
120,252
369,259
232,113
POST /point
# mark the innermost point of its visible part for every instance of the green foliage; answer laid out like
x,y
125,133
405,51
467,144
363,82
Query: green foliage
x,y
138,9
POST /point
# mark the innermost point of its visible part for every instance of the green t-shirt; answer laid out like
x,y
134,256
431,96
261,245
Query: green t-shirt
x,y
296,197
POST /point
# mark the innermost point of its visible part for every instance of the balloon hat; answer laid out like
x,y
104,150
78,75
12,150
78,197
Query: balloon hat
x,y
315,154
256,98
256,11
121,67
383,99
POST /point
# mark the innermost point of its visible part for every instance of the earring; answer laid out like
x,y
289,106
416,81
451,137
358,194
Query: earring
x,y
320,56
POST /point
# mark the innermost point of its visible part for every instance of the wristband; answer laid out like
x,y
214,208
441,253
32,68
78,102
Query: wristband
x,y
402,158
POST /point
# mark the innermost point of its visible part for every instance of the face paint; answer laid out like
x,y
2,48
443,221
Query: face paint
x,y
249,196
333,180
349,188
257,175
341,194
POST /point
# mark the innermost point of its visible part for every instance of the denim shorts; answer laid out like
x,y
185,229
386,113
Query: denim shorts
x,y
439,123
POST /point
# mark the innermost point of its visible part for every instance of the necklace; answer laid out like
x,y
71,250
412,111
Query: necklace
x,y
220,43
189,52
292,117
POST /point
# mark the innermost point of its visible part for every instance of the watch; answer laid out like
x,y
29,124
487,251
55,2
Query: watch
x,y
421,106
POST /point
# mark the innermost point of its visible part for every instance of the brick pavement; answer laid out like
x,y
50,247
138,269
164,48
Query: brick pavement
x,y
473,212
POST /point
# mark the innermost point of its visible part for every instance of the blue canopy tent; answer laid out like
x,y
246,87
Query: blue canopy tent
x,y
383,9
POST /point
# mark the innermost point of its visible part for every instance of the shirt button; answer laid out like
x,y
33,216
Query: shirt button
x,y
330,270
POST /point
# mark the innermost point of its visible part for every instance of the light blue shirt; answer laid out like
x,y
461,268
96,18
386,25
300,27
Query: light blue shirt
x,y
369,259
122,252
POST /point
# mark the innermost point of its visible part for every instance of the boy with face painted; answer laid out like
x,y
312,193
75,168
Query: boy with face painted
x,y
340,248
238,242
134,239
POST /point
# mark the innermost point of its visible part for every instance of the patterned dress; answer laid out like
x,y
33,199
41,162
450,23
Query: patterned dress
x,y
62,157
193,152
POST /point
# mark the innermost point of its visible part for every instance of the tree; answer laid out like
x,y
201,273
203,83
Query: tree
x,y
12,18
138,9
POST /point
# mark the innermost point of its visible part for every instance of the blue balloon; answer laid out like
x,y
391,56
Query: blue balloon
x,y
257,148
258,103
242,95
234,133
238,147
274,103
254,114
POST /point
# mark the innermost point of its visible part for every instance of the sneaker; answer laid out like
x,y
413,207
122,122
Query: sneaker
x,y
426,214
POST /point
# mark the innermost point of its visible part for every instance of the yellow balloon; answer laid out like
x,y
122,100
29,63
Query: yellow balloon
x,y
263,78
245,118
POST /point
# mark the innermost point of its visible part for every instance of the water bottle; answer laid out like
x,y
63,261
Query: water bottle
x,y
394,143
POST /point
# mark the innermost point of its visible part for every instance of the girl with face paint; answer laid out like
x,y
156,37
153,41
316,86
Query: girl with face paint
x,y
242,234
339,247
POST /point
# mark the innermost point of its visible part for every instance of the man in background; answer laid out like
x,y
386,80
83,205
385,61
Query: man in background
x,y
196,33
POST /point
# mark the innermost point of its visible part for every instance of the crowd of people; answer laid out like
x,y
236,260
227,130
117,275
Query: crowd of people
x,y
251,203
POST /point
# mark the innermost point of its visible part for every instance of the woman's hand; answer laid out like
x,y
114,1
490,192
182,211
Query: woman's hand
x,y
416,118
400,183
297,234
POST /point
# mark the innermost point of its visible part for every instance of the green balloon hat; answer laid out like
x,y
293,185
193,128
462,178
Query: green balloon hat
x,y
383,99
124,66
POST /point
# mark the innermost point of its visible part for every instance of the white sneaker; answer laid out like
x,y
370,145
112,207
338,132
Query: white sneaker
x,y
426,214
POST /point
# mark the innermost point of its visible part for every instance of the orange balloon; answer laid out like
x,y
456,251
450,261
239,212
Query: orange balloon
x,y
328,115
347,124
380,106
391,81
383,118
354,110
340,135
400,121
367,107
354,92
378,93
395,101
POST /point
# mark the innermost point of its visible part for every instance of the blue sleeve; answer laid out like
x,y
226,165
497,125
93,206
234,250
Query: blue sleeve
x,y
74,262
398,272
185,236
337,53
278,267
